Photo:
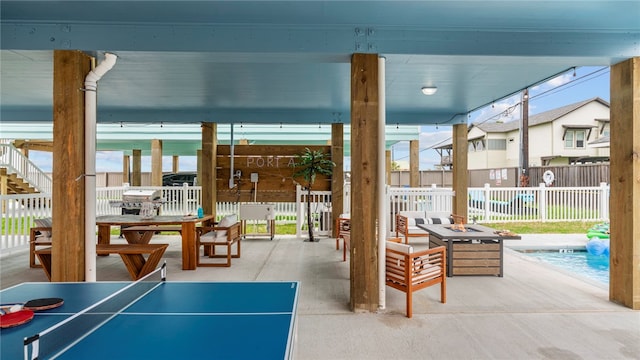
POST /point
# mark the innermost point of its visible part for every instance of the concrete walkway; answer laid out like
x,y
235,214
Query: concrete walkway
x,y
533,312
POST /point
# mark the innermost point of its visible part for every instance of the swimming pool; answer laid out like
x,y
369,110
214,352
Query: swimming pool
x,y
594,267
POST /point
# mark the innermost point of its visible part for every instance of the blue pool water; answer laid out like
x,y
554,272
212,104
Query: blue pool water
x,y
595,267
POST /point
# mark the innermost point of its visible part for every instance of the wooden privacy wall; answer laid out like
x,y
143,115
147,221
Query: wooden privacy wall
x,y
274,166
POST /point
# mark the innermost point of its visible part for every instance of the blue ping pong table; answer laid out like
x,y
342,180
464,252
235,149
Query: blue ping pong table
x,y
174,320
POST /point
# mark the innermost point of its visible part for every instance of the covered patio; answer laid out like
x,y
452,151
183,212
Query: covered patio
x,y
533,312
362,63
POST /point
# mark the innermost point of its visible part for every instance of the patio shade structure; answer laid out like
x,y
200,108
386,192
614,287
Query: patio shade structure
x,y
295,62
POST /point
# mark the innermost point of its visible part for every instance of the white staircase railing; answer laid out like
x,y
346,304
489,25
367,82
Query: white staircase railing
x,y
16,163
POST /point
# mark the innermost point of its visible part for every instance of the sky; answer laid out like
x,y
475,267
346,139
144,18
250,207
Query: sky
x,y
588,82
565,89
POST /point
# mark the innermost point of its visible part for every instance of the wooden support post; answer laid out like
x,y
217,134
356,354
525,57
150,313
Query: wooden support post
x,y
156,162
126,168
136,175
624,209
68,196
199,165
414,163
460,173
364,183
4,187
175,164
209,164
389,165
337,178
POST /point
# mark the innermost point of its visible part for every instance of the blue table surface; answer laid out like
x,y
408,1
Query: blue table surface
x,y
178,320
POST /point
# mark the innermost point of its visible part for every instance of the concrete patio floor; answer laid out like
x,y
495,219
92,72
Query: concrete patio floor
x,y
533,312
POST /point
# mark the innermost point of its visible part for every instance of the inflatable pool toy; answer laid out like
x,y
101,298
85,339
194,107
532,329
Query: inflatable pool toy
x,y
597,246
600,231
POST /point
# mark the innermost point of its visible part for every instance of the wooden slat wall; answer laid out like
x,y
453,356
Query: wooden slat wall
x,y
572,175
272,163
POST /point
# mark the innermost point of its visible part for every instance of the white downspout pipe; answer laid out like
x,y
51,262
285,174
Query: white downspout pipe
x,y
90,117
382,196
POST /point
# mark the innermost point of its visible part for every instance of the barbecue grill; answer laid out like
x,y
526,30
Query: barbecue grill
x,y
134,200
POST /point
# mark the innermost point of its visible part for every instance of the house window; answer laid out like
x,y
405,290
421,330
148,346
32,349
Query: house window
x,y
574,139
497,144
479,145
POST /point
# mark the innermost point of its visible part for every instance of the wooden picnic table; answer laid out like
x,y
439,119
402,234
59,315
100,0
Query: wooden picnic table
x,y
187,224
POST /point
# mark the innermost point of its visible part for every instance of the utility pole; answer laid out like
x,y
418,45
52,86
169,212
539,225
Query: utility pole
x,y
524,154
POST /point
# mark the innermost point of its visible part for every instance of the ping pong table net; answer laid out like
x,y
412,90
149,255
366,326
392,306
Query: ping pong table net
x,y
57,339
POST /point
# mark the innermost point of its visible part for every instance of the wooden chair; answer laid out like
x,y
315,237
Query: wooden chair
x,y
226,233
343,226
410,271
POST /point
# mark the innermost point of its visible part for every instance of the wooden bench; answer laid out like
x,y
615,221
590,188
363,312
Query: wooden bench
x,y
143,234
226,233
37,239
410,271
131,254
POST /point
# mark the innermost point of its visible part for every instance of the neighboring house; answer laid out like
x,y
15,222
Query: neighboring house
x,y
556,137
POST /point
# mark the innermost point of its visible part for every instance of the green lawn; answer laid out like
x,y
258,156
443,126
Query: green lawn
x,y
565,227
571,227
538,227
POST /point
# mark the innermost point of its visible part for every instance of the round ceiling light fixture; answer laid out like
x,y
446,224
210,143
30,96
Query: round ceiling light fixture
x,y
429,90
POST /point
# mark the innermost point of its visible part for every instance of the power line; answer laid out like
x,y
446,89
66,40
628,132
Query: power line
x,y
554,90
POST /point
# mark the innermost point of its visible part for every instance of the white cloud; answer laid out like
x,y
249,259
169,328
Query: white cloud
x,y
559,80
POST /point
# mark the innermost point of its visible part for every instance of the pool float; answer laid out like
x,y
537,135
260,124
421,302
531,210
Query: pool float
x,y
598,246
600,231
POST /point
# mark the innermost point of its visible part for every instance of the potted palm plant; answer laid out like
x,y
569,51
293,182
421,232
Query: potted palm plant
x,y
308,165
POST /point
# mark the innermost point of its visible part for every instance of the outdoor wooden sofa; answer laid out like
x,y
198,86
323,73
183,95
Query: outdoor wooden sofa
x,y
407,222
408,270
38,237
226,233
132,255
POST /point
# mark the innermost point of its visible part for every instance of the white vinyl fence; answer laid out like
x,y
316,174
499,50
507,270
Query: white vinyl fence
x,y
485,205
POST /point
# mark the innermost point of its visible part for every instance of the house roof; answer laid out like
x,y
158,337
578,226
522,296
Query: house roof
x,y
602,142
537,119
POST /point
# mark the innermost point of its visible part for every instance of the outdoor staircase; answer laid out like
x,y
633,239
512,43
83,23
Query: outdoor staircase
x,y
19,175
15,184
